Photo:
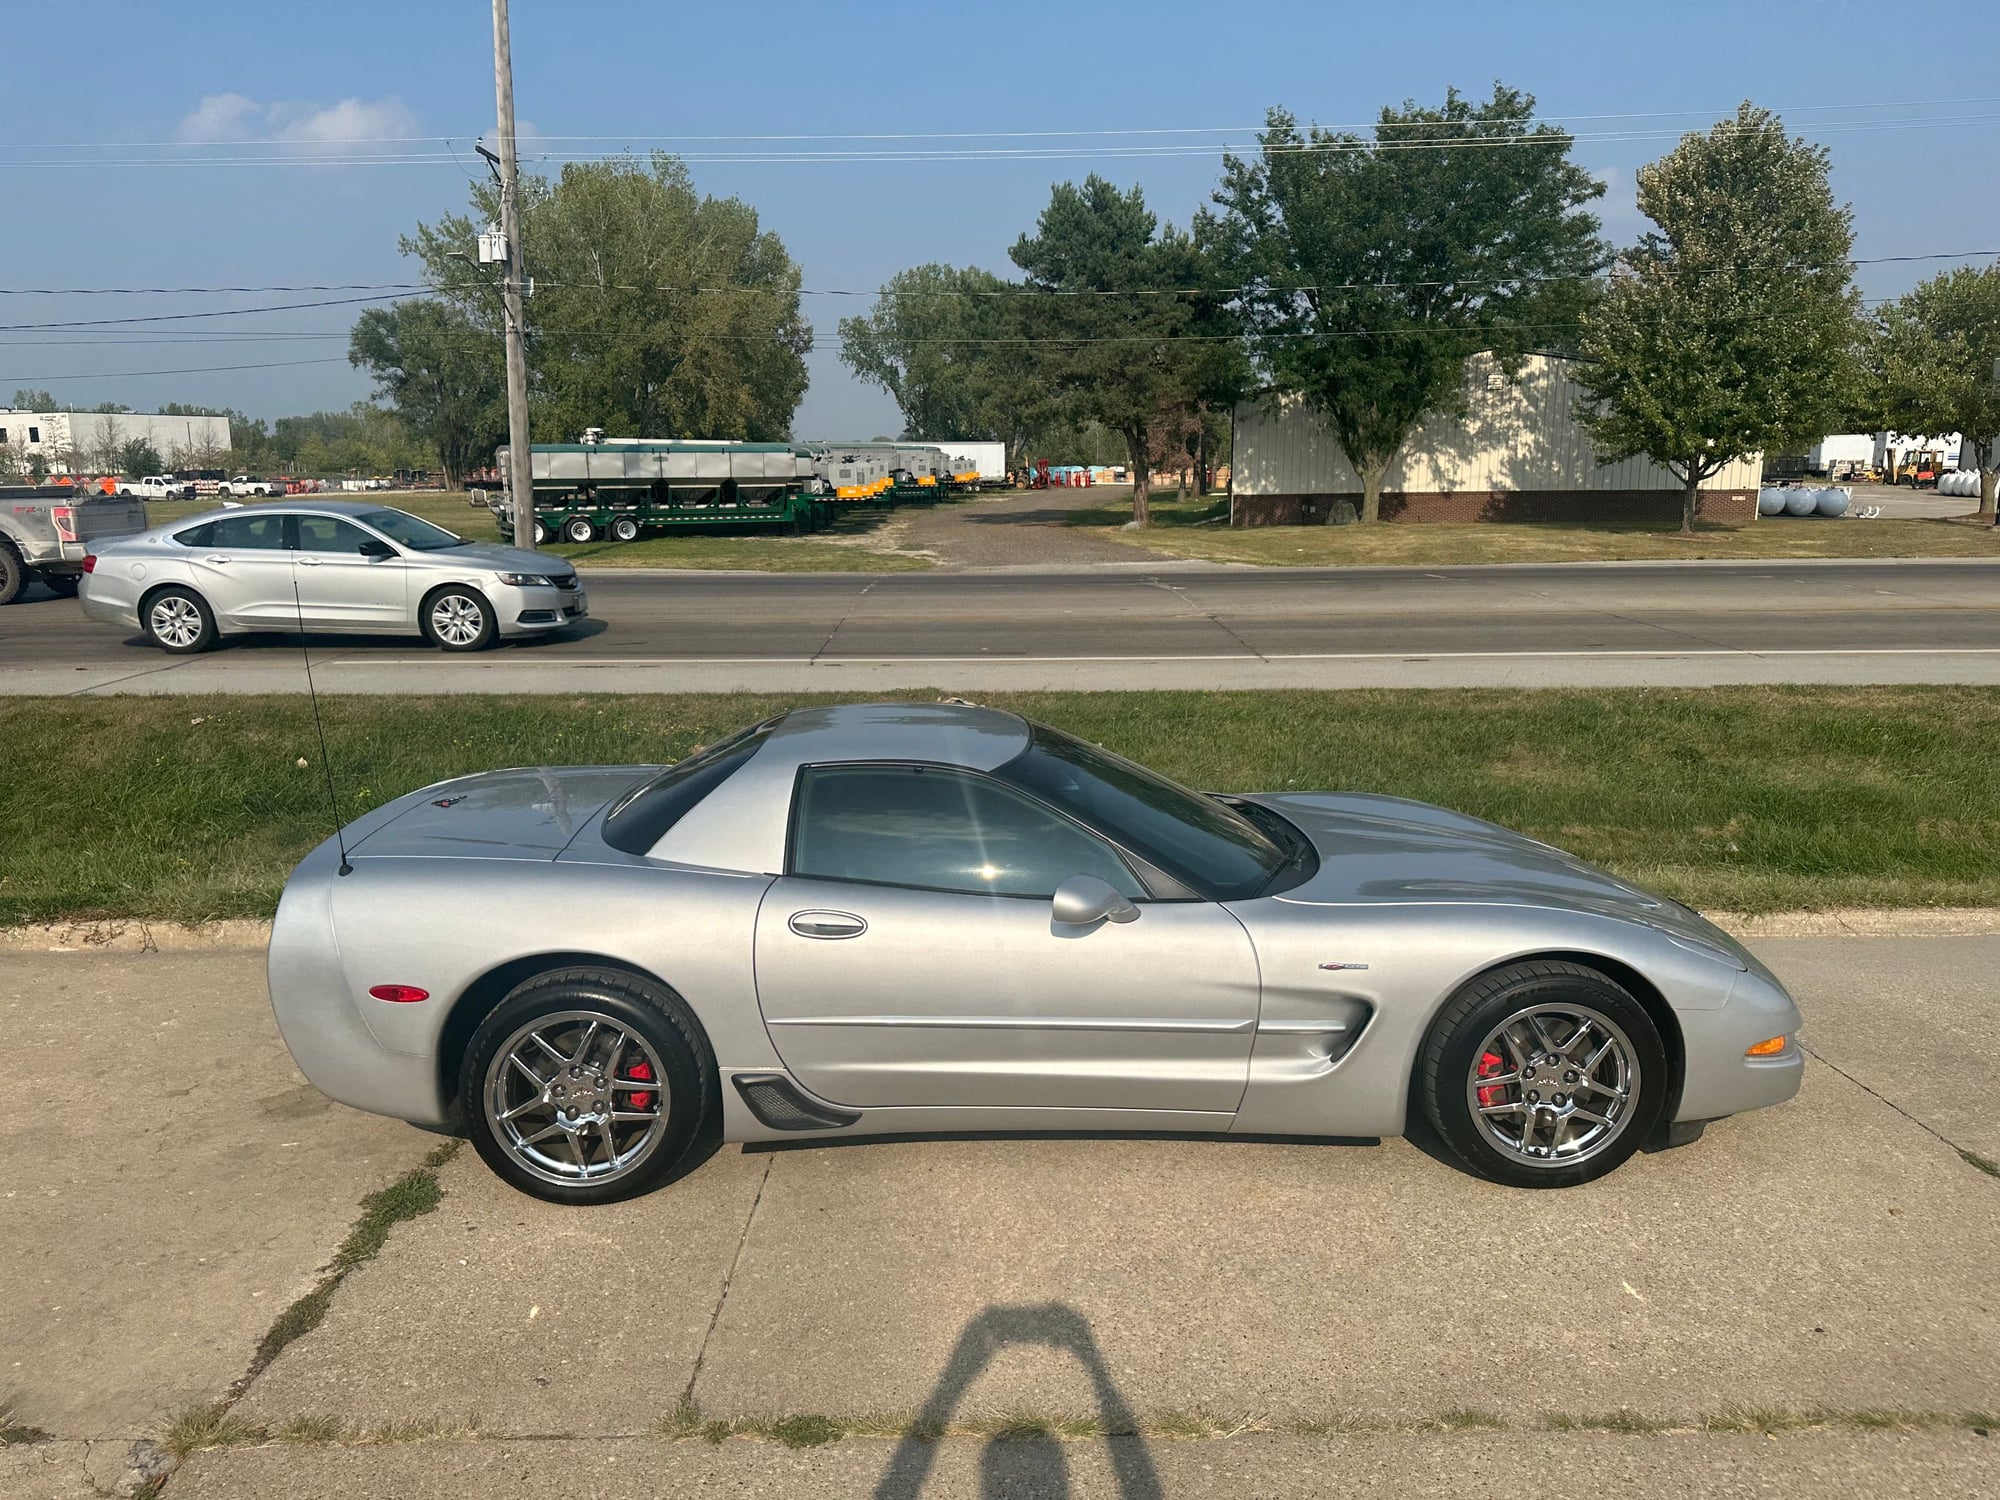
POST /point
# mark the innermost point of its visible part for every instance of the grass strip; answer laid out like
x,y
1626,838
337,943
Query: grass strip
x,y
1745,799
1199,529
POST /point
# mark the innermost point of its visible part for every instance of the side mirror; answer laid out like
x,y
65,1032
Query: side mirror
x,y
1083,900
376,547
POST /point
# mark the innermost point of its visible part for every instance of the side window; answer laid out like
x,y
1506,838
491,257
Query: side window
x,y
330,534
197,536
258,533
940,830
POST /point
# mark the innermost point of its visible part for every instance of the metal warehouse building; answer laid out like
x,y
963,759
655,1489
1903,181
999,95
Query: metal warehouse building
x,y
1516,453
80,441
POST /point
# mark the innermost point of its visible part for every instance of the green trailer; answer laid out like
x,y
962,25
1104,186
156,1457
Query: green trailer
x,y
620,489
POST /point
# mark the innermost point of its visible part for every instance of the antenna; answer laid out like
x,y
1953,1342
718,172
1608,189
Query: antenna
x,y
332,802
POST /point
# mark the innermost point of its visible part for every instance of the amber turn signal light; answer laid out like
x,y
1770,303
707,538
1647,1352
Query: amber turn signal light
x,y
1770,1047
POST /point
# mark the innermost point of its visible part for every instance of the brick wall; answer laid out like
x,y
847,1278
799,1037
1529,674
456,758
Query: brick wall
x,y
1500,506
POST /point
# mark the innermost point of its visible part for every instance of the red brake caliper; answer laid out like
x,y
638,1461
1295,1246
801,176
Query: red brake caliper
x,y
641,1072
1489,1064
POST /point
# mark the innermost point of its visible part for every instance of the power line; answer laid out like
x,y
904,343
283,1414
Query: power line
x,y
282,364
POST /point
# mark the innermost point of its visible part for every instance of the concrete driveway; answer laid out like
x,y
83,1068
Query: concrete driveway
x,y
1329,1305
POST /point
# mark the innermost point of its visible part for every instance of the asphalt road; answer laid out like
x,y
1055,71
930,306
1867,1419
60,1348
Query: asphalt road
x,y
1832,1254
1143,625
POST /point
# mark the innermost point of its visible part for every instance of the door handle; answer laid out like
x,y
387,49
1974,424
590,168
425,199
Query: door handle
x,y
308,562
215,559
827,924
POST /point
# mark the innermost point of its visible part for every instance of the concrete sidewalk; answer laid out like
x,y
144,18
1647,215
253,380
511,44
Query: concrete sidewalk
x,y
1835,1254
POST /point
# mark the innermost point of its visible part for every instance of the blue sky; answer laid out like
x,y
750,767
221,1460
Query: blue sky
x,y
101,96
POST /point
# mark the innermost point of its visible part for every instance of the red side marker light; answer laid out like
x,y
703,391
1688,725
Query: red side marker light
x,y
90,563
399,994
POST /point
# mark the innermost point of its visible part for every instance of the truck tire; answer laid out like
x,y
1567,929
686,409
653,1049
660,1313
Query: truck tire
x,y
578,530
13,576
624,529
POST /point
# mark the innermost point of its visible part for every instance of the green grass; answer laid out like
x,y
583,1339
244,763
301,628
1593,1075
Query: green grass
x,y
853,544
1178,529
1743,798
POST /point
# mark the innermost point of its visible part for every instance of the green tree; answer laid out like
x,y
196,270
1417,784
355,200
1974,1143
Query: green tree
x,y
138,458
1373,268
1112,307
657,312
33,400
945,343
1935,360
442,375
1732,327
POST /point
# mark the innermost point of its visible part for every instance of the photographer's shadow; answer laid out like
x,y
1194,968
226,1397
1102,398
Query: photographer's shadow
x,y
1033,1464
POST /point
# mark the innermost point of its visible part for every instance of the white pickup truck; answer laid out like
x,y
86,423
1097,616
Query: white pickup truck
x,y
156,487
243,485
45,532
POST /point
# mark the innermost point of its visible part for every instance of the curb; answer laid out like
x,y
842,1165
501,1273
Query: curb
x,y
237,934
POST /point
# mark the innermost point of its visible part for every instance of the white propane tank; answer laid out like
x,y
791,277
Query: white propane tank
x,y
1801,502
1834,502
1770,501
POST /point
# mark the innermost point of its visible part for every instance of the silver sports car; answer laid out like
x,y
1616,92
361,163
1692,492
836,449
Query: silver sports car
x,y
896,918
329,565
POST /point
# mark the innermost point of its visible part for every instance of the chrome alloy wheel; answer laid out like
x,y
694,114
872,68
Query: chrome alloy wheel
x,y
457,619
175,621
1554,1085
576,1097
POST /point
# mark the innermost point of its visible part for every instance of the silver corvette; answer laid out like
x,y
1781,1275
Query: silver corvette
x,y
899,918
329,565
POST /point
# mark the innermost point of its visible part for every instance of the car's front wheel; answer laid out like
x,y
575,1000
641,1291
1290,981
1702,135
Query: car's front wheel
x,y
178,620
458,619
587,1085
1544,1074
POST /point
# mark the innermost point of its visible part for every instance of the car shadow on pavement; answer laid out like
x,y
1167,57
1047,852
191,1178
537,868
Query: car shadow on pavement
x,y
1033,1463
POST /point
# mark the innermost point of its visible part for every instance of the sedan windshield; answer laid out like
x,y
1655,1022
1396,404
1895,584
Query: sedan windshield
x,y
1194,838
411,531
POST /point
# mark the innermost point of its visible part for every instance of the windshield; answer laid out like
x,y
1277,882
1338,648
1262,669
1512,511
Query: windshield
x,y
1194,838
411,531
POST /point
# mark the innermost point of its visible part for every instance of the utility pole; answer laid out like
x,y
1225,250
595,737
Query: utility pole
x,y
520,460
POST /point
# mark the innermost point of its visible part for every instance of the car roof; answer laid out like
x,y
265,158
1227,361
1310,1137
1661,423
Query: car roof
x,y
741,825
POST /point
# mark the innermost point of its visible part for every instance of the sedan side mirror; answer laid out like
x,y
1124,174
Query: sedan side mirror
x,y
1083,900
376,547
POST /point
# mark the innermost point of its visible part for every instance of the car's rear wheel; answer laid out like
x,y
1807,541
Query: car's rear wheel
x,y
458,619
587,1085
1544,1074
178,620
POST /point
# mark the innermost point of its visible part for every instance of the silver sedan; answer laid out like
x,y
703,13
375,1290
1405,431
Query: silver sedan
x,y
904,918
325,565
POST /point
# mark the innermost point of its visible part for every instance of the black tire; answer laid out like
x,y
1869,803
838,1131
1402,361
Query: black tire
x,y
13,576
470,600
62,585
1449,1068
541,533
652,1012
624,529
577,530
158,608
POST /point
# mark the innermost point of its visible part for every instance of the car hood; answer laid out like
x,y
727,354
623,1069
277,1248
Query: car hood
x,y
529,813
1390,850
503,559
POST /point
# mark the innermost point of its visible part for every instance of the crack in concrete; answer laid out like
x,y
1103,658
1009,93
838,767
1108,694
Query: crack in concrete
x,y
729,1276
841,623
1970,1158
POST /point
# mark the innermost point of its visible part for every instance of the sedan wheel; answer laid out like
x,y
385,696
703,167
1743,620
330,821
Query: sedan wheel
x,y
1544,1075
586,1085
458,619
177,620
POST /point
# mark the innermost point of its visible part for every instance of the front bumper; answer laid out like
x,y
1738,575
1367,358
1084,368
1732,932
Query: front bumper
x,y
1720,1079
536,611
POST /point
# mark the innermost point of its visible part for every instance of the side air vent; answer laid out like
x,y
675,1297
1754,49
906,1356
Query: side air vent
x,y
783,1105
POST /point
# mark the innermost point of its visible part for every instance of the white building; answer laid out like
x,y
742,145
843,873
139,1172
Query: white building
x,y
1516,453
75,442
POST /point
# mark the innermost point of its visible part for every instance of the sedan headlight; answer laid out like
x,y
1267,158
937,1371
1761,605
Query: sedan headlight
x,y
524,580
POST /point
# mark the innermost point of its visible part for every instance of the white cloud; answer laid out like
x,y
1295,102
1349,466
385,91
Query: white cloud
x,y
233,117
